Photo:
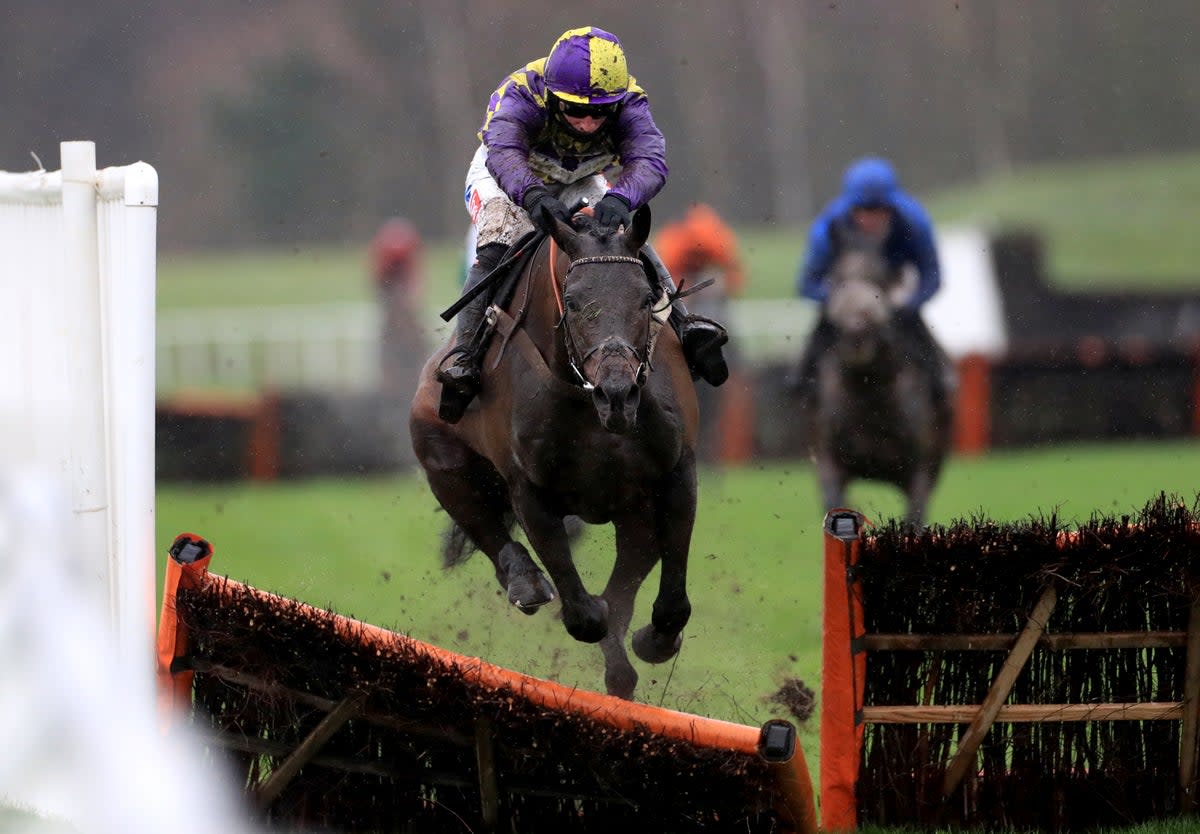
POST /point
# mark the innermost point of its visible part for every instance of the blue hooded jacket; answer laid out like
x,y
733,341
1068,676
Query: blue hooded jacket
x,y
872,181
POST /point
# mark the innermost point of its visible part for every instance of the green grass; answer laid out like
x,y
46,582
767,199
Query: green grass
x,y
369,549
302,274
1115,223
1105,222
14,816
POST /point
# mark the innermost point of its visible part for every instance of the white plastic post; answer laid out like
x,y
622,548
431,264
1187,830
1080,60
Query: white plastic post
x,y
77,274
130,337
77,353
82,313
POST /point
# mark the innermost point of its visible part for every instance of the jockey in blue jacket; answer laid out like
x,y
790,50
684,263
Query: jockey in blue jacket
x,y
872,204
552,130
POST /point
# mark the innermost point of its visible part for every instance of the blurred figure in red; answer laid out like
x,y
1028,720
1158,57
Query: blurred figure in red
x,y
396,265
701,246
696,248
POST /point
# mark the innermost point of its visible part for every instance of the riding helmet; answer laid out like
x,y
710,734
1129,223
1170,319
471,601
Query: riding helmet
x,y
587,66
871,181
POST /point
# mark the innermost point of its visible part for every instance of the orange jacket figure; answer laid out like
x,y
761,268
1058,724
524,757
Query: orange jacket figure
x,y
694,249
396,253
701,244
396,268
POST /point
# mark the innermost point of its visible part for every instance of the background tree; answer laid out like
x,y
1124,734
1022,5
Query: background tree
x,y
310,121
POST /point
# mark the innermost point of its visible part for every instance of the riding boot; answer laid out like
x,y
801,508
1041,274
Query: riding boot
x,y
929,354
700,336
462,379
803,379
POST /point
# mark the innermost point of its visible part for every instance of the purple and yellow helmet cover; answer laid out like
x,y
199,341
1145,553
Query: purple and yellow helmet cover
x,y
587,66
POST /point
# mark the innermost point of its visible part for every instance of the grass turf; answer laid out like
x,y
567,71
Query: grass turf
x,y
1120,223
369,549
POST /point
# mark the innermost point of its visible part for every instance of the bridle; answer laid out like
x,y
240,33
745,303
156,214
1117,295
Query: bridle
x,y
613,343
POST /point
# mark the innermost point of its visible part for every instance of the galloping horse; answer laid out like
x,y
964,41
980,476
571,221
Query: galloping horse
x,y
588,409
874,413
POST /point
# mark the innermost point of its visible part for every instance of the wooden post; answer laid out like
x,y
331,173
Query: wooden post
x,y
735,423
996,697
972,414
271,787
1191,704
187,568
1196,389
263,448
999,693
485,758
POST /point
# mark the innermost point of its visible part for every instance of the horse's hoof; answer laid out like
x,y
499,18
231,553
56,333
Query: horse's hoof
x,y
587,623
653,646
530,591
621,681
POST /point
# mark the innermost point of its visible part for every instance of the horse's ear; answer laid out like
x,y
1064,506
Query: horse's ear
x,y
639,233
563,233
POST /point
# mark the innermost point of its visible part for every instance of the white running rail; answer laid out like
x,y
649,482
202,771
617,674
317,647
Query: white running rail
x,y
335,347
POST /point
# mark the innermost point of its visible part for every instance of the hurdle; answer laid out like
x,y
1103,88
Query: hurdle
x,y
1025,675
332,721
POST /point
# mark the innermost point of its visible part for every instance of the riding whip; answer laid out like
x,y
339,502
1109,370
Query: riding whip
x,y
517,250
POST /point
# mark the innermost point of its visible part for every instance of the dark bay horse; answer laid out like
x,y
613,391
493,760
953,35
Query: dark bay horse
x,y
588,409
875,412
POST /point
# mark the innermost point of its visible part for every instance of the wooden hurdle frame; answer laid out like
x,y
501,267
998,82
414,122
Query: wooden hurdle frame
x,y
974,432
187,568
846,645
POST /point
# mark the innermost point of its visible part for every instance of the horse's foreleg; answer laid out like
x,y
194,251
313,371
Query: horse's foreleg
x,y
476,499
585,616
832,480
637,553
920,487
674,518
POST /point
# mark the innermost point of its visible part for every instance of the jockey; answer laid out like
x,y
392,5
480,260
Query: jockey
x,y
873,205
551,131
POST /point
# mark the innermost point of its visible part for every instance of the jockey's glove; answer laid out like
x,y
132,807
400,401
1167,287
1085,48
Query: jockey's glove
x,y
612,211
536,199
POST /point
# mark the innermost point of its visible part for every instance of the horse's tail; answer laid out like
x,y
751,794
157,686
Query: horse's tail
x,y
457,546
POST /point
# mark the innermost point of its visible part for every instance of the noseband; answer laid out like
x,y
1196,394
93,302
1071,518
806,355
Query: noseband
x,y
611,343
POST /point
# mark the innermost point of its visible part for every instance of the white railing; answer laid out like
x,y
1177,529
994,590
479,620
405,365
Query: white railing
x,y
77,287
285,347
336,346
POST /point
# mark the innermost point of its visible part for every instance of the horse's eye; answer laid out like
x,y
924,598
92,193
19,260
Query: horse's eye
x,y
570,304
649,300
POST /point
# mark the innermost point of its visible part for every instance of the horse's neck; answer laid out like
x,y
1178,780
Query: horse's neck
x,y
882,367
542,314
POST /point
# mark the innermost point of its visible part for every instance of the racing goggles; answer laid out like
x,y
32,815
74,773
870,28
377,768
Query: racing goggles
x,y
577,110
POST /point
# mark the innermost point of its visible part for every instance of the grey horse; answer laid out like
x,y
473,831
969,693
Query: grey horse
x,y
880,407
